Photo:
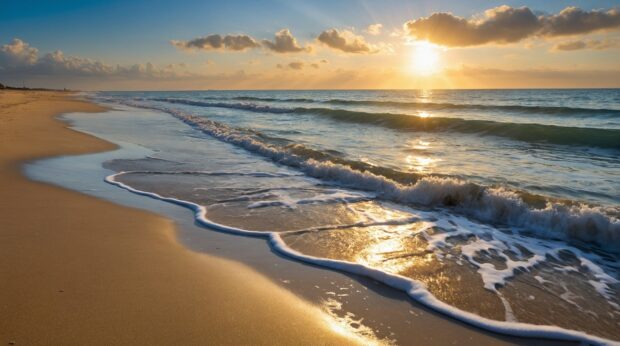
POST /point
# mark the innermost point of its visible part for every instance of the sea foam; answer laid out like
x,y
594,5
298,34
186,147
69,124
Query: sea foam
x,y
415,289
576,222
557,221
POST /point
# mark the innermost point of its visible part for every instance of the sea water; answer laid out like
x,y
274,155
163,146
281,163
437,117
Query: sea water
x,y
497,207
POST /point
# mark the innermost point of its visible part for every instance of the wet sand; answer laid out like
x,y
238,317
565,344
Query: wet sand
x,y
79,270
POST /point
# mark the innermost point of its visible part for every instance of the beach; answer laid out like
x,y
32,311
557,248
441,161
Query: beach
x,y
325,173
319,173
78,270
474,204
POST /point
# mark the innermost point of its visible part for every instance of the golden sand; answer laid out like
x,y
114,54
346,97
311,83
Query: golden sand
x,y
79,270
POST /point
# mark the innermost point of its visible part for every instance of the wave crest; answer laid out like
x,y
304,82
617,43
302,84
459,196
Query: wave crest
x,y
526,132
557,220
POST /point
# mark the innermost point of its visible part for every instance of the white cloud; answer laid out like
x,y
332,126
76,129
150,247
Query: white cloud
x,y
374,29
19,57
17,54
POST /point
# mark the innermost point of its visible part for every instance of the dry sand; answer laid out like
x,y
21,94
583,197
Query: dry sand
x,y
79,270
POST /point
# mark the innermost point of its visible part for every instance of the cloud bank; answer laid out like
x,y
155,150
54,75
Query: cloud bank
x,y
505,24
587,44
18,57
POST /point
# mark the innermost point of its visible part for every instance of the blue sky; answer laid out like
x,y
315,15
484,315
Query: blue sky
x,y
137,32
126,31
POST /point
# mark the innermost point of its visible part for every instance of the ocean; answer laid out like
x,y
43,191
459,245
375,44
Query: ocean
x,y
500,208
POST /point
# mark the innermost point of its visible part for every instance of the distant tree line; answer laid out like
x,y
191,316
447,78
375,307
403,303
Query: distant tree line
x,y
7,87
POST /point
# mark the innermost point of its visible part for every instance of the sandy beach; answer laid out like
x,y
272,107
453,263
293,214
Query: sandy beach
x,y
409,172
78,270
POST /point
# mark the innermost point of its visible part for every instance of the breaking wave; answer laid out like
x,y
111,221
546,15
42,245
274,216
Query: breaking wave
x,y
497,205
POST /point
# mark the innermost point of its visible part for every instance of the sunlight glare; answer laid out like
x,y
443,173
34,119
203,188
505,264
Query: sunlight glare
x,y
425,59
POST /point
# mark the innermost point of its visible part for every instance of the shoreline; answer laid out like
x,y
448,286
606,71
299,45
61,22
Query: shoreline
x,y
78,269
549,333
428,326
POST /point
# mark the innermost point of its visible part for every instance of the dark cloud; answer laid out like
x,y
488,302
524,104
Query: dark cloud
x,y
218,42
587,44
573,21
505,24
501,25
345,41
284,42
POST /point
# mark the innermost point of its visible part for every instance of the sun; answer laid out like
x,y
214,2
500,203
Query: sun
x,y
425,59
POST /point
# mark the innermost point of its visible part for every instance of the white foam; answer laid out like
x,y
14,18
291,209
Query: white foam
x,y
283,199
415,289
497,205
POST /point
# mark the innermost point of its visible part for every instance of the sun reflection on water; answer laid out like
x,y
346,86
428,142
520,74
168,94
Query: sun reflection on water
x,y
424,114
345,323
422,164
387,253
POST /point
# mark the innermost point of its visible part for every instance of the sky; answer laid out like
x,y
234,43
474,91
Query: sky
x,y
322,44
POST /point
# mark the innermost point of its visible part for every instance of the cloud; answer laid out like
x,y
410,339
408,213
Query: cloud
x,y
57,63
284,42
17,53
346,41
19,58
502,24
505,24
374,29
573,20
587,44
295,65
467,76
217,42
300,65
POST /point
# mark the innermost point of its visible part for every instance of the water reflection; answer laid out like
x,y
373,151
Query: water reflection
x,y
421,164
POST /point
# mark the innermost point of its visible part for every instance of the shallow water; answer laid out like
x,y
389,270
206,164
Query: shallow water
x,y
508,222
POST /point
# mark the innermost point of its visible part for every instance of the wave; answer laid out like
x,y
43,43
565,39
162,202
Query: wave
x,y
210,173
537,109
271,99
548,219
430,191
526,132
537,214
413,288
